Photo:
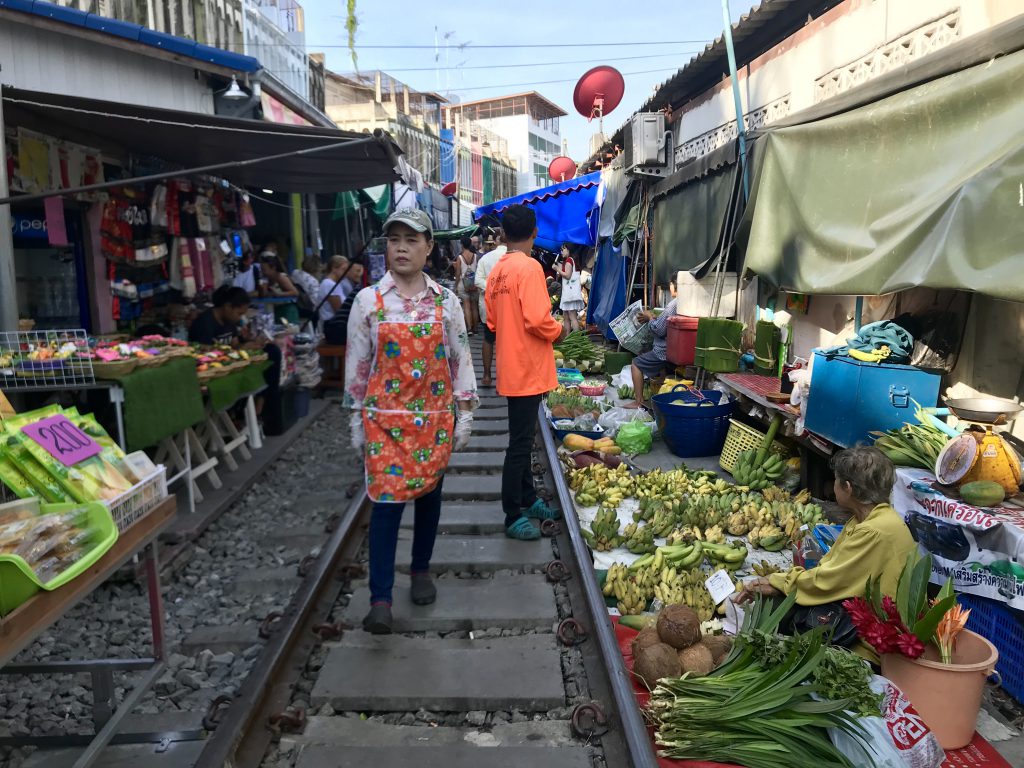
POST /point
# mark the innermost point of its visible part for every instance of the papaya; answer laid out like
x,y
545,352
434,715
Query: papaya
x,y
983,493
578,442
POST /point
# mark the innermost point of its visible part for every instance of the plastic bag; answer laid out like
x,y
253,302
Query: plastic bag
x,y
612,419
898,738
634,437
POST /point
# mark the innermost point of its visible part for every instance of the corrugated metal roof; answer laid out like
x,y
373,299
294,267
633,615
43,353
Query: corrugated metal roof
x,y
758,31
136,33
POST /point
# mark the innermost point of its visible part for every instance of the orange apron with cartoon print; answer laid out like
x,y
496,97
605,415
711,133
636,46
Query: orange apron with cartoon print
x,y
409,408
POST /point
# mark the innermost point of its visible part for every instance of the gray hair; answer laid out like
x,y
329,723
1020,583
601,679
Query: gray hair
x,y
869,471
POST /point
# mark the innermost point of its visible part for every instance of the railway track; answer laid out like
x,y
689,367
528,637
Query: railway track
x,y
515,657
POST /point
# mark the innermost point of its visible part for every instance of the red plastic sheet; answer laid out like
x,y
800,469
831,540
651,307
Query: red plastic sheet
x,y
978,754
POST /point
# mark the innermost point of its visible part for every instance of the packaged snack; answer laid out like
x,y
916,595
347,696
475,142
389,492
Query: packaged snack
x,y
15,479
46,485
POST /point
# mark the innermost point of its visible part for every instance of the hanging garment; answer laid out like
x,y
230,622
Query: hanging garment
x,y
158,206
182,275
207,219
408,411
116,236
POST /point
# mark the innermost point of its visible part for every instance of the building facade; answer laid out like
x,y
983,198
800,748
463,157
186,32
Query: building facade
x,y
529,125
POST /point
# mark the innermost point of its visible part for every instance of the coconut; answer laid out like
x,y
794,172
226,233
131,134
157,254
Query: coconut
x,y
719,645
655,662
678,625
648,636
697,660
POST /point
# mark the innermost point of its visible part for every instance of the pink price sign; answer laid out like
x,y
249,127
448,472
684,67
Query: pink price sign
x,y
63,440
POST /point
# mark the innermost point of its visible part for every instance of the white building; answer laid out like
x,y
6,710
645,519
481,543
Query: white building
x,y
529,124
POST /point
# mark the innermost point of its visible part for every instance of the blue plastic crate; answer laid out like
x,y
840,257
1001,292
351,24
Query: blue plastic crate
x,y
1001,627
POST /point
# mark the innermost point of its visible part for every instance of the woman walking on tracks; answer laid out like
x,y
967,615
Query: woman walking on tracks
x,y
409,375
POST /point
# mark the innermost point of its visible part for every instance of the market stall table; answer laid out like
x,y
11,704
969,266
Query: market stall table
x,y
26,623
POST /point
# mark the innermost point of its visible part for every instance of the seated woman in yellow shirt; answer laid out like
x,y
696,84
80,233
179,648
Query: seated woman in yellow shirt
x,y
875,542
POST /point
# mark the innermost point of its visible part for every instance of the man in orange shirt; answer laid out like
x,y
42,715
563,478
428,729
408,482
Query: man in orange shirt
x,y
519,313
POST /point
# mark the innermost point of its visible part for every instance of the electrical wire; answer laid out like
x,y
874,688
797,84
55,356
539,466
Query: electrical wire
x,y
543,63
466,46
548,82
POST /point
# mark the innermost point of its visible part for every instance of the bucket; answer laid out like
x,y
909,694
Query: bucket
x,y
681,340
946,696
691,431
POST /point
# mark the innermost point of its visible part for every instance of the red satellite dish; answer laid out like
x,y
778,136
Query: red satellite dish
x,y
449,189
598,92
562,168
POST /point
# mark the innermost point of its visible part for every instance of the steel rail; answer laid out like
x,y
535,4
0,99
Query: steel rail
x,y
244,724
638,740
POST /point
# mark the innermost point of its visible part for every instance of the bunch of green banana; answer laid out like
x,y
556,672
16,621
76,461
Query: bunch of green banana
x,y
728,556
604,531
663,523
625,392
769,537
764,568
638,539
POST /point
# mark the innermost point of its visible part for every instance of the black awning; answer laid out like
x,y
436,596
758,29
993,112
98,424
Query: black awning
x,y
192,140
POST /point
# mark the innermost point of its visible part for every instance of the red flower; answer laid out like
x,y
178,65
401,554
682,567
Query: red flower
x,y
909,645
889,606
881,637
860,611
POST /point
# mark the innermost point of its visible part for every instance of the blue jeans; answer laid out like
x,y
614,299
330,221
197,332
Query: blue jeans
x,y
385,520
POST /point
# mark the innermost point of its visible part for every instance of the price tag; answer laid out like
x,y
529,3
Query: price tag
x,y
63,440
720,586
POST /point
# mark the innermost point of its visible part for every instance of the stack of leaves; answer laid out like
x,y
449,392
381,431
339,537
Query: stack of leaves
x,y
772,698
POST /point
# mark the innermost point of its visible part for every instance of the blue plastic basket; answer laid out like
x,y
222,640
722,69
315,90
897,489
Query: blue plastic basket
x,y
690,431
1001,627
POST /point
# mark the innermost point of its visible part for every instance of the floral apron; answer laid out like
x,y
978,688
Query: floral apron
x,y
409,410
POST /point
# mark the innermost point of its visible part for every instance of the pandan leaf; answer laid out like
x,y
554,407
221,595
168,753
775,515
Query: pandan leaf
x,y
919,586
947,590
925,628
904,603
875,596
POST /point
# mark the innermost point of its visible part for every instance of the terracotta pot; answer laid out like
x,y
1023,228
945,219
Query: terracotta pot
x,y
947,696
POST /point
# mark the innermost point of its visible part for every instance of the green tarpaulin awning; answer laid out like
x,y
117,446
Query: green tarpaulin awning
x,y
922,188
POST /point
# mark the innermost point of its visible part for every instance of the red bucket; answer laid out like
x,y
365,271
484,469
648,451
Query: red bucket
x,y
681,339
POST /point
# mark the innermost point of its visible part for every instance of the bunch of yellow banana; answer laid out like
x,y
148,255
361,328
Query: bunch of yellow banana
x,y
670,587
714,535
663,523
764,568
615,574
768,537
638,539
736,524
631,599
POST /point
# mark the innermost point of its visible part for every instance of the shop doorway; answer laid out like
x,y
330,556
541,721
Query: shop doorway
x,y
51,284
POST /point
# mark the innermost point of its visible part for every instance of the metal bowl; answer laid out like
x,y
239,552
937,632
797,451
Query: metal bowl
x,y
986,410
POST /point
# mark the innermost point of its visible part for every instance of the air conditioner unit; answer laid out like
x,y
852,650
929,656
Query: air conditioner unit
x,y
647,146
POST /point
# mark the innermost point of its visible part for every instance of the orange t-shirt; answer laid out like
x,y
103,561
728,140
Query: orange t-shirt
x,y
519,313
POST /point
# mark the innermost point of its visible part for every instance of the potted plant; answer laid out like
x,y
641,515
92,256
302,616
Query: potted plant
x,y
926,651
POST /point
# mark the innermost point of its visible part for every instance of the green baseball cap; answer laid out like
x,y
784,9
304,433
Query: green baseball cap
x,y
413,218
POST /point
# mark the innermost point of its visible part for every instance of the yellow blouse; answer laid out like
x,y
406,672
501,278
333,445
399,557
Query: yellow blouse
x,y
878,546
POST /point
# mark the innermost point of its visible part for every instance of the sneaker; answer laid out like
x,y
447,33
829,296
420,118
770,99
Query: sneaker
x,y
423,590
542,511
378,621
523,530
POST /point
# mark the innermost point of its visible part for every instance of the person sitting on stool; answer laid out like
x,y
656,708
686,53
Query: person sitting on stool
x,y
652,364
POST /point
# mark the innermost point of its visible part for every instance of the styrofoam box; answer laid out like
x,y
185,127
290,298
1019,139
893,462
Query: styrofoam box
x,y
694,296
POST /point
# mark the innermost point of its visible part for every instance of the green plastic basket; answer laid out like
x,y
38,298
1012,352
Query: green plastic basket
x,y
18,581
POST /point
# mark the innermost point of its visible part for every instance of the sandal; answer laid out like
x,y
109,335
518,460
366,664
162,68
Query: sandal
x,y
523,530
542,511
486,382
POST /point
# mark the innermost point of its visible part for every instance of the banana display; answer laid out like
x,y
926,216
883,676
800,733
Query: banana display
x,y
670,575
728,556
603,535
758,476
764,568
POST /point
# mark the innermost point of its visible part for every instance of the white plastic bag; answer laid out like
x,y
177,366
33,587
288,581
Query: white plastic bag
x,y
614,418
898,738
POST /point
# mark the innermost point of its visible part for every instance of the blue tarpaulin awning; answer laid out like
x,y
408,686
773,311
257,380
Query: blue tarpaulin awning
x,y
567,212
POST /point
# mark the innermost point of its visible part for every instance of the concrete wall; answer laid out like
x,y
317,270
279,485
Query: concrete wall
x,y
41,60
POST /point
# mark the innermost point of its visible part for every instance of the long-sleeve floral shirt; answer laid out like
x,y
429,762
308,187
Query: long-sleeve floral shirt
x,y
361,350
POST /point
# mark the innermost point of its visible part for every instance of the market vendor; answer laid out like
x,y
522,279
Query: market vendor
x,y
221,323
874,543
652,364
410,383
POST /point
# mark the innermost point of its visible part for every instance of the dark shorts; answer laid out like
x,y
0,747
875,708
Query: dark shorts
x,y
651,364
489,335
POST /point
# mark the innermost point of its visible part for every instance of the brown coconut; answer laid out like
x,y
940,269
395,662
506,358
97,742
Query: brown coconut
x,y
648,636
678,625
719,645
655,662
697,660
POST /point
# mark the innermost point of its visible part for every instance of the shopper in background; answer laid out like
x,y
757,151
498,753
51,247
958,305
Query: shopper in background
x,y
653,363
275,282
221,323
465,283
519,313
496,250
410,381
342,279
248,277
572,291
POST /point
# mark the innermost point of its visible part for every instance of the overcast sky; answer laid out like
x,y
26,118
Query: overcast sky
x,y
568,34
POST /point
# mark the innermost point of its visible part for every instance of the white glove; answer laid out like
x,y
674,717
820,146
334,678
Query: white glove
x,y
463,429
356,430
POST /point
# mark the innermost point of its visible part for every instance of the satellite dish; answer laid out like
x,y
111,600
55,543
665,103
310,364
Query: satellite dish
x,y
562,168
598,92
449,189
